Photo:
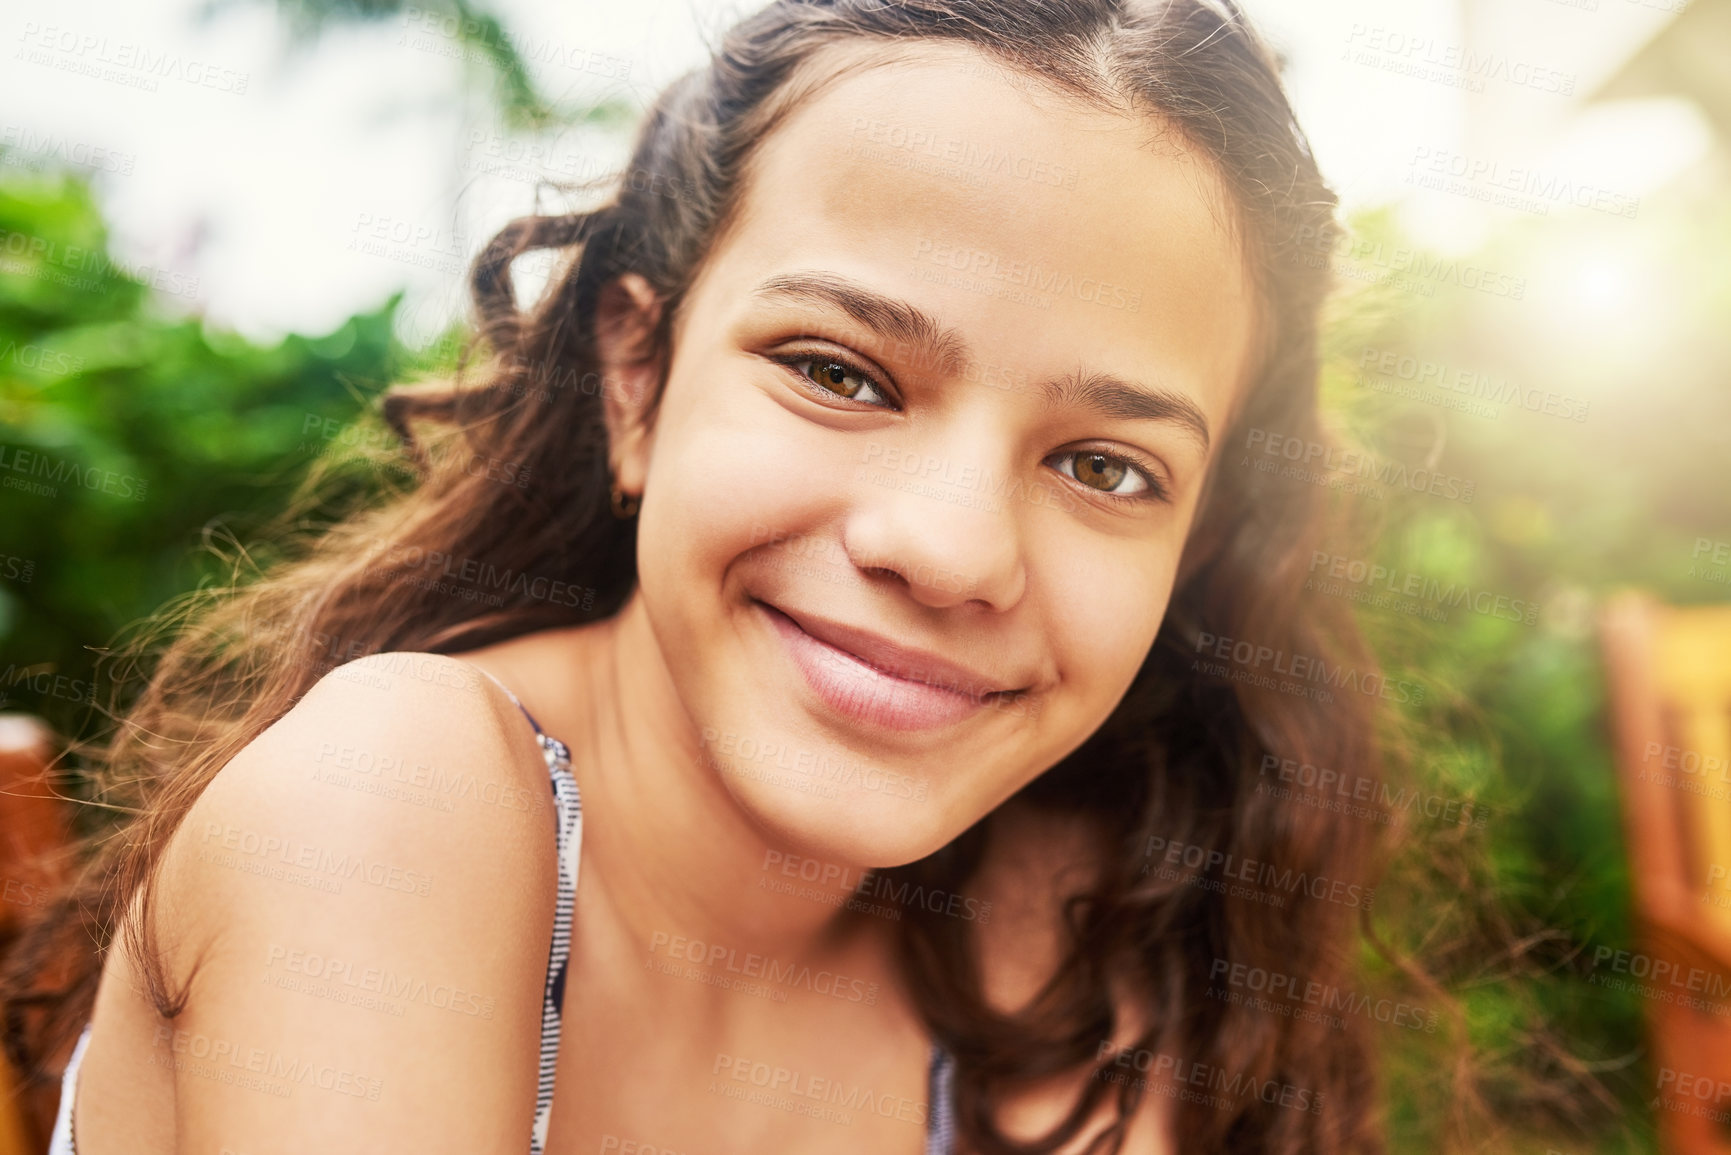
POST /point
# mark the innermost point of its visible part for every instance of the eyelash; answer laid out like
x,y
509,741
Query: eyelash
x,y
1156,489
794,360
1150,476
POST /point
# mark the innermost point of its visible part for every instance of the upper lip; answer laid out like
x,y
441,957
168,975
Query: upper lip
x,y
896,660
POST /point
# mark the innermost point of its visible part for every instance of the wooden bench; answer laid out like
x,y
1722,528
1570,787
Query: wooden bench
x,y
1669,680
34,835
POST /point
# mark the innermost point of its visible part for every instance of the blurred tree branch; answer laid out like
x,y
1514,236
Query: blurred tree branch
x,y
523,103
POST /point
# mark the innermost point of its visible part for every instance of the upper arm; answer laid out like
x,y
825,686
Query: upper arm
x,y
362,903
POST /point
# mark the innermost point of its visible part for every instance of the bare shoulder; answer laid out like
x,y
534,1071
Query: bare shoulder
x,y
436,709
386,759
1037,860
362,901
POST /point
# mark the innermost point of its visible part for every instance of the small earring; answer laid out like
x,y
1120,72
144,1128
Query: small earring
x,y
624,504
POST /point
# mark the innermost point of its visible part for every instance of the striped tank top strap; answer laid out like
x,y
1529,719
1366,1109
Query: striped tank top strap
x,y
568,831
940,1103
515,701
62,1141
568,835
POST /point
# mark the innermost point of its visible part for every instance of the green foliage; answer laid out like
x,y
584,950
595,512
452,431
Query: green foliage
x,y
127,433
471,33
1564,513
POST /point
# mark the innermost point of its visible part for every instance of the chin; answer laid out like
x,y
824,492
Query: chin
x,y
885,821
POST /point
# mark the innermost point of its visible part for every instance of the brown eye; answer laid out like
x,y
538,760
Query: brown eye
x,y
840,378
1099,471
1109,475
835,376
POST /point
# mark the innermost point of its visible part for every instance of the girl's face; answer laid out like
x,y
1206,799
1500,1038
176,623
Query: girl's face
x,y
938,418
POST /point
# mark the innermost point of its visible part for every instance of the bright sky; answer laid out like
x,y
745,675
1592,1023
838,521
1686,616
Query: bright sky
x,y
301,188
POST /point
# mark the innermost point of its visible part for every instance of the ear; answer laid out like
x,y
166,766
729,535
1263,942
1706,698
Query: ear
x,y
626,315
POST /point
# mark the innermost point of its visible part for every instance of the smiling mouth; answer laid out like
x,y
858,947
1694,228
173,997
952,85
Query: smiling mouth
x,y
870,679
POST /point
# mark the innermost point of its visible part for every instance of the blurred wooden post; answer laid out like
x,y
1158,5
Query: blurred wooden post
x,y
33,830
1668,671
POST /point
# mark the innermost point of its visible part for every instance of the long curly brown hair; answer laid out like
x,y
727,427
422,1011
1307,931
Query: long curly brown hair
x,y
1177,764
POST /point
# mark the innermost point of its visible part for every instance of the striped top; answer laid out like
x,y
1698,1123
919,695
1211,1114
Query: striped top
x,y
568,831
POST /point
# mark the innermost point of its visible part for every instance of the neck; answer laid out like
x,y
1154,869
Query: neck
x,y
666,848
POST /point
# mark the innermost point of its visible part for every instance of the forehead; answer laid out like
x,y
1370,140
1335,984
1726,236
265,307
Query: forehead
x,y
1052,233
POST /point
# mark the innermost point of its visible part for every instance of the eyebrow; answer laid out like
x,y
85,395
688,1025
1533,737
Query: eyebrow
x,y
887,317
896,320
1111,397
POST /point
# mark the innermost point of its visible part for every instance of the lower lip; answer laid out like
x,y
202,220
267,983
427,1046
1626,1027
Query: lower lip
x,y
863,693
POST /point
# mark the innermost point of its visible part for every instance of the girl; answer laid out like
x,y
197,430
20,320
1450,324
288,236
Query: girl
x,y
821,694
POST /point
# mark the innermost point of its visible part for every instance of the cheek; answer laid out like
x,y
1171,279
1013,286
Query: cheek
x,y
731,471
1106,611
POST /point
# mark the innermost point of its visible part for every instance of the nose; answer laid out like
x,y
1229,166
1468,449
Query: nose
x,y
945,525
